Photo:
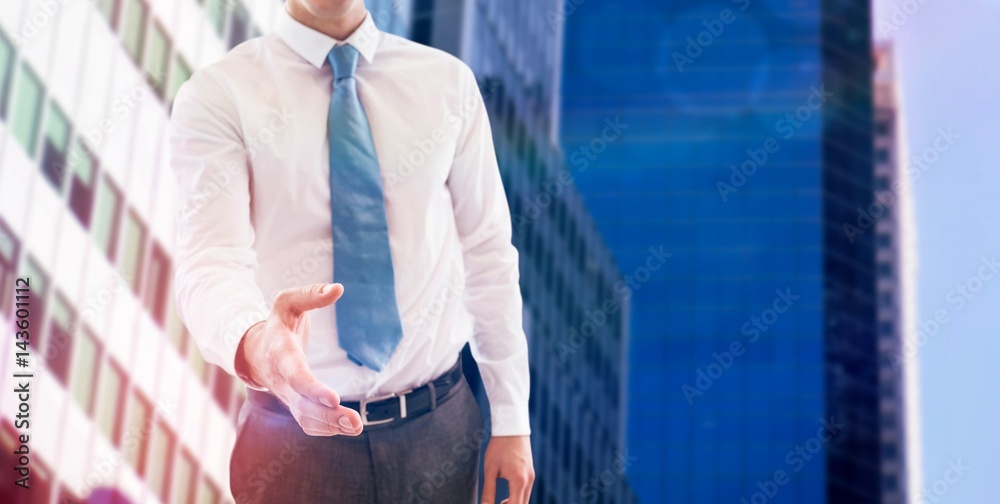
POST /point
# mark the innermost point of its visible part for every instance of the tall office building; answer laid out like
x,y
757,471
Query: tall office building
x,y
120,397
575,317
123,406
754,359
897,330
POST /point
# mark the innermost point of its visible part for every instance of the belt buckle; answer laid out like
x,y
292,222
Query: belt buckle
x,y
363,407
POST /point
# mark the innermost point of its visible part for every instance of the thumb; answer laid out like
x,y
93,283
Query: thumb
x,y
309,297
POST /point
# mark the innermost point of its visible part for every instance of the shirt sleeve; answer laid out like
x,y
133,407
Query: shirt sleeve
x,y
215,277
492,294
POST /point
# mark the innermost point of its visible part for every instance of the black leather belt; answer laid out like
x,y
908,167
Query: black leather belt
x,y
387,408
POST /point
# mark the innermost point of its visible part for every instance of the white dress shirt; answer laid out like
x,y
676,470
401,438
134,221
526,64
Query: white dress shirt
x,y
250,154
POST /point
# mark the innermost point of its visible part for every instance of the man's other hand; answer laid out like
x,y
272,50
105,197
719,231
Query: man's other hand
x,y
508,457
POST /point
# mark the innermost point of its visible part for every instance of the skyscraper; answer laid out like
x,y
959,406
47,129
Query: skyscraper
x,y
754,360
575,303
120,396
897,329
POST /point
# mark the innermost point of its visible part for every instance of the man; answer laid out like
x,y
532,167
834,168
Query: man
x,y
324,152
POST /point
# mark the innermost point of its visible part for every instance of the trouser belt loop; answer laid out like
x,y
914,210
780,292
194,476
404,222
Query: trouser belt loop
x,y
433,392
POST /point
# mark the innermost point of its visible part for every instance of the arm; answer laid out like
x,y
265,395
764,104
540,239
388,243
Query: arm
x,y
215,278
493,298
217,293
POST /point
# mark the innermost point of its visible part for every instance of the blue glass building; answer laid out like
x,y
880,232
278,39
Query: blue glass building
x,y
575,317
746,152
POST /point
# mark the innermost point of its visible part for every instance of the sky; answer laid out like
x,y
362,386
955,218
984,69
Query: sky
x,y
949,76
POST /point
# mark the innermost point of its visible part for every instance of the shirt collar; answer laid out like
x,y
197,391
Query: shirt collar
x,y
314,46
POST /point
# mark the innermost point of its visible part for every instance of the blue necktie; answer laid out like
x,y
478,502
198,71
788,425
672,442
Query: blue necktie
x,y
368,324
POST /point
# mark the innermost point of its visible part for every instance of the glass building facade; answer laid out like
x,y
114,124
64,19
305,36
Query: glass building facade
x,y
575,318
746,149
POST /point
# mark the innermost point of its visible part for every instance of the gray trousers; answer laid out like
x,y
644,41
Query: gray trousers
x,y
433,457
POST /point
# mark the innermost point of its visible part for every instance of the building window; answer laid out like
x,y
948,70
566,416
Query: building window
x,y
85,360
884,240
885,269
111,401
882,155
81,186
134,28
106,217
209,492
422,22
109,10
135,443
39,282
184,483
885,299
890,483
882,127
157,59
133,249
238,25
176,332
59,343
158,284
885,329
54,147
162,446
215,11
882,183
8,267
27,109
222,389
6,72
181,73
889,451
198,366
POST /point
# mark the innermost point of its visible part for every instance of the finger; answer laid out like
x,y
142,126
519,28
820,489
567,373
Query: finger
x,y
516,486
314,427
313,398
489,484
304,382
308,297
323,403
528,487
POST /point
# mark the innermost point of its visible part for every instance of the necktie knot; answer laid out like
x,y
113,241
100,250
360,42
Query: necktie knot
x,y
344,61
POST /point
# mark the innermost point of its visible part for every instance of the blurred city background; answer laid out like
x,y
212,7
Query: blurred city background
x,y
755,235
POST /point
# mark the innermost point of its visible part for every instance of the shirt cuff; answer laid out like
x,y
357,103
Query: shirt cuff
x,y
509,420
232,336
